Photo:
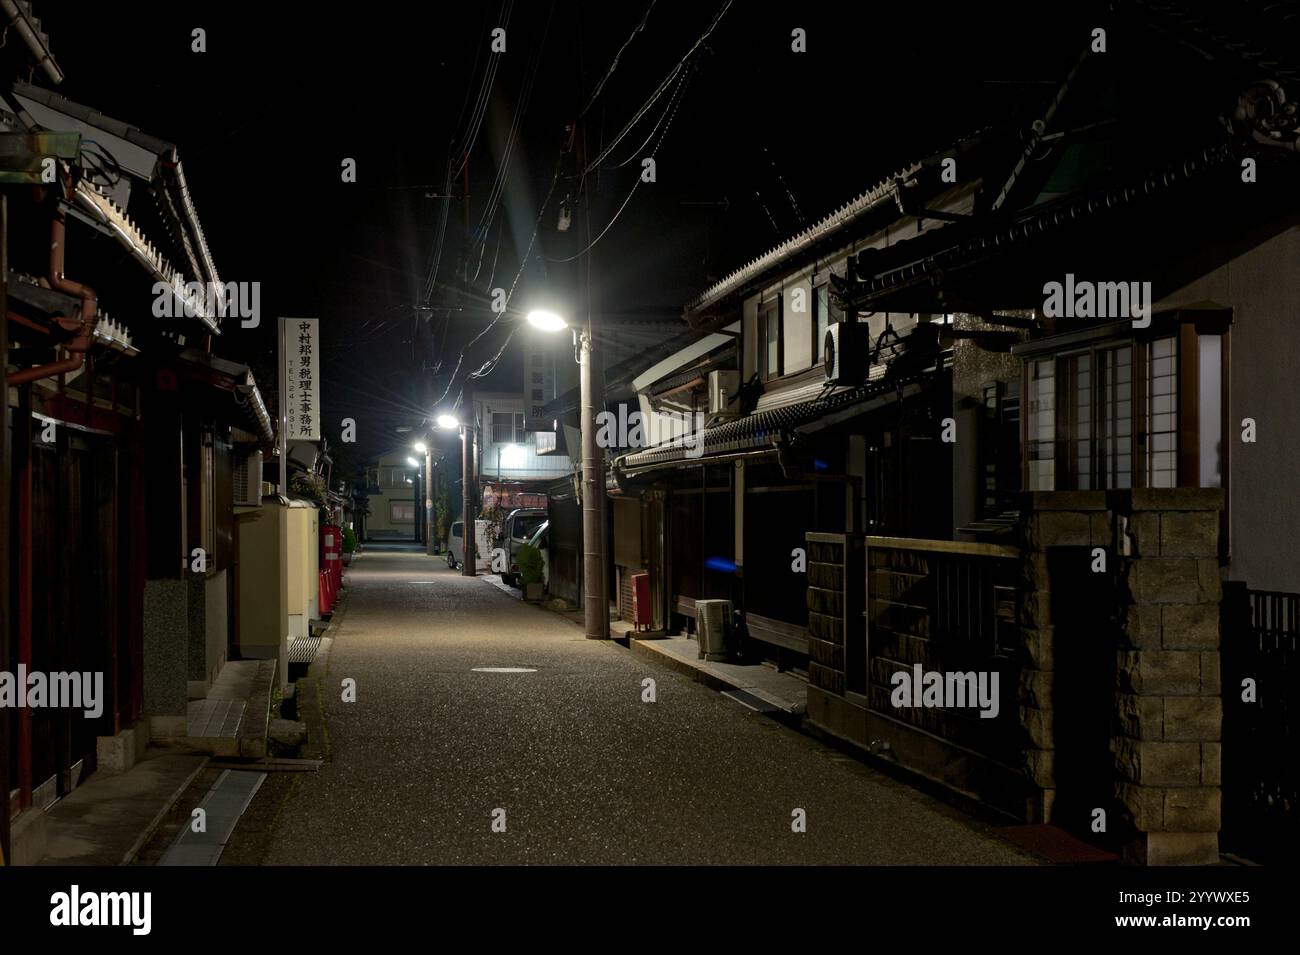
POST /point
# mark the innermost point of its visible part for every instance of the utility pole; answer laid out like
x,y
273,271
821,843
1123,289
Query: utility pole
x,y
595,588
284,414
6,743
468,451
428,498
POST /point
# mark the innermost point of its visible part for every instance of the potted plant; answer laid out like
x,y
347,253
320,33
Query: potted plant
x,y
529,559
349,545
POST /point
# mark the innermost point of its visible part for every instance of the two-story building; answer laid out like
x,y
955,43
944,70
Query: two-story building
x,y
1045,458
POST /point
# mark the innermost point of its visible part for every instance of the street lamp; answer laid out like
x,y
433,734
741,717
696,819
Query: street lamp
x,y
595,588
547,321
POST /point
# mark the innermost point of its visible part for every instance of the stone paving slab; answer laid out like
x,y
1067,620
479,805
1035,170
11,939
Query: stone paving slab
x,y
106,820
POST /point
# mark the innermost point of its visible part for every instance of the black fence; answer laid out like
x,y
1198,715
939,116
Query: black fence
x,y
1261,764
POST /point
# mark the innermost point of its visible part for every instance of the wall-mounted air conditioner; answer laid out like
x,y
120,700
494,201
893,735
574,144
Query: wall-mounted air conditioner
x,y
846,353
724,394
247,478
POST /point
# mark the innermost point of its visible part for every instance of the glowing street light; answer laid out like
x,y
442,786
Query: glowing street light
x,y
421,447
448,422
412,462
546,321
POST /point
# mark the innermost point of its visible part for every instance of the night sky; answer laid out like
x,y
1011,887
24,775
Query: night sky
x,y
762,142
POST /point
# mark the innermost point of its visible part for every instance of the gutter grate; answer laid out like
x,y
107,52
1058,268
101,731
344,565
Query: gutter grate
x,y
223,805
304,649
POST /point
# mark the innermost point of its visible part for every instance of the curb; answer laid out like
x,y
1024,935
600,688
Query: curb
x,y
719,684
168,806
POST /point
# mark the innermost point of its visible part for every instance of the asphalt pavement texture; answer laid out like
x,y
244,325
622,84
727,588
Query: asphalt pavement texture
x,y
585,771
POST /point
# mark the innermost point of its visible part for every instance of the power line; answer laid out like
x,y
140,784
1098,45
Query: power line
x,y
469,140
613,66
604,154
666,122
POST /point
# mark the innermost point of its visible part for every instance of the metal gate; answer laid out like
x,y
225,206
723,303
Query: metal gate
x,y
1260,762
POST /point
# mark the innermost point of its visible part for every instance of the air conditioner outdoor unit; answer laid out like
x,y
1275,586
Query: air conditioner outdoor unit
x,y
724,394
713,626
846,353
247,479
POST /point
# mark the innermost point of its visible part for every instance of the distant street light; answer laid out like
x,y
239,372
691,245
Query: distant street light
x,y
448,422
420,446
412,462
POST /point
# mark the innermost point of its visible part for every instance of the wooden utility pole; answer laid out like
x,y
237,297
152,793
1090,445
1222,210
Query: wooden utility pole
x,y
468,451
595,587
5,742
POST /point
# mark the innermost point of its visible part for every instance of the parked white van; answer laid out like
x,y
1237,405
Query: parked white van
x,y
482,545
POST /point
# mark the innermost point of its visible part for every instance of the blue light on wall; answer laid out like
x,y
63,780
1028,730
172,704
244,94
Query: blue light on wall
x,y
722,564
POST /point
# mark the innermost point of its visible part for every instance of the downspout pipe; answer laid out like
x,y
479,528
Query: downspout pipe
x,y
83,325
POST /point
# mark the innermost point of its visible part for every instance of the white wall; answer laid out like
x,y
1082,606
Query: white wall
x,y
1260,287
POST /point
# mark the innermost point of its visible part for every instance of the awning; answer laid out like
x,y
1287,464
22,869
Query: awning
x,y
764,429
236,379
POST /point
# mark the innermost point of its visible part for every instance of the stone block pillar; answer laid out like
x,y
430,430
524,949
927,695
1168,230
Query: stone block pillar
x,y
1169,705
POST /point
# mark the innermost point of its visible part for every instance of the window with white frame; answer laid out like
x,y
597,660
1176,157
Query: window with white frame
x,y
507,427
1110,415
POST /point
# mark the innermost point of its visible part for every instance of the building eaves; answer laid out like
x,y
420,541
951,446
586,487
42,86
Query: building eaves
x,y
929,256
764,428
28,26
239,381
829,226
158,163
105,211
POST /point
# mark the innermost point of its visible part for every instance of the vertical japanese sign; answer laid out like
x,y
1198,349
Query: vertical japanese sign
x,y
539,387
299,343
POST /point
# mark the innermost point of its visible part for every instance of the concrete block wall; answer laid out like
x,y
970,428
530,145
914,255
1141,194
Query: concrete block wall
x,y
1169,701
1162,547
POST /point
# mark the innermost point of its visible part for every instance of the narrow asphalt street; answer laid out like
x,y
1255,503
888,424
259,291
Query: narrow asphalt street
x,y
585,771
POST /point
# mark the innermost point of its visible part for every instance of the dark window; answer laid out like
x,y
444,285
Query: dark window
x,y
825,314
1000,448
769,339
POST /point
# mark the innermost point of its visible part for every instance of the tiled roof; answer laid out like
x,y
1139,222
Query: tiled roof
x,y
95,201
764,427
828,226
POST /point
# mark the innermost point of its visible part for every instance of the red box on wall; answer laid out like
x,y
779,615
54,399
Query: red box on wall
x,y
642,612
